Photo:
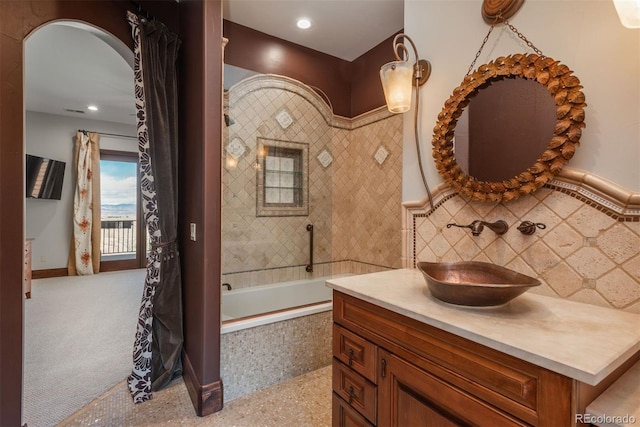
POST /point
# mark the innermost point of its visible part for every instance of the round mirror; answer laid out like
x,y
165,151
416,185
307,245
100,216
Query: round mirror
x,y
509,127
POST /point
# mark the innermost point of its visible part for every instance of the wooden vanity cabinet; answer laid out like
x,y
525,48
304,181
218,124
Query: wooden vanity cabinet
x,y
417,375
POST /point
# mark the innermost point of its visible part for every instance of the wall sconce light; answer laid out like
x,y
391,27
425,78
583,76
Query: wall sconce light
x,y
399,77
231,162
628,12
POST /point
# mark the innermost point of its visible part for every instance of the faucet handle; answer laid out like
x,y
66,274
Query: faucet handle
x,y
528,227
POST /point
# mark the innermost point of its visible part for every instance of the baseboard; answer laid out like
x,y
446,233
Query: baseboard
x,y
52,272
206,399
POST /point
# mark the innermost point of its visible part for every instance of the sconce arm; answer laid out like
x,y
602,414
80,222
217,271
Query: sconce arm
x,y
422,67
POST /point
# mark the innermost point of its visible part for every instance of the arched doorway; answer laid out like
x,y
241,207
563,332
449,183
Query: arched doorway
x,y
78,330
19,19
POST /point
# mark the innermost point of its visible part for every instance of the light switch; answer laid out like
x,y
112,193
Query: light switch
x,y
193,231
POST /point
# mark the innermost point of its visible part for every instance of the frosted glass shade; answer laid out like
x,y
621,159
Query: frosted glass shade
x,y
397,83
628,12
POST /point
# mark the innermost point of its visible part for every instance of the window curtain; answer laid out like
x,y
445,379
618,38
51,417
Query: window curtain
x,y
157,353
84,255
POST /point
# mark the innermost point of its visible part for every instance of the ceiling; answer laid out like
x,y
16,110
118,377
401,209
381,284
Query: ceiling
x,y
69,65
342,28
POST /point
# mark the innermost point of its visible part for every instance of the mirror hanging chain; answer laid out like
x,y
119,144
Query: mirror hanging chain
x,y
500,19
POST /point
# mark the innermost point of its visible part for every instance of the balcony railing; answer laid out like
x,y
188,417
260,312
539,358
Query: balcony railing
x,y
118,237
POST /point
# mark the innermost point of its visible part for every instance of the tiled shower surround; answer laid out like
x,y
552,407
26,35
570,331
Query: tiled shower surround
x,y
354,203
588,252
354,186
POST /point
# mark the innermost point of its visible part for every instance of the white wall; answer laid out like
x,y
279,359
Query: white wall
x,y
586,35
49,221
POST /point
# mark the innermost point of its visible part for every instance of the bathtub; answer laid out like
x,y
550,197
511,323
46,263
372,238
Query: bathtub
x,y
271,333
264,304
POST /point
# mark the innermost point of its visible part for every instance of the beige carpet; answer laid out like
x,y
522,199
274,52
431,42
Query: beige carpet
x,y
304,401
79,334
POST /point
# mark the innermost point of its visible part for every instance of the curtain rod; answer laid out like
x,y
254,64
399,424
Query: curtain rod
x,y
108,134
142,11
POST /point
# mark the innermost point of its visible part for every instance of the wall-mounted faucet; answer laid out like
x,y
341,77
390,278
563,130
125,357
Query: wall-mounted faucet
x,y
476,227
226,285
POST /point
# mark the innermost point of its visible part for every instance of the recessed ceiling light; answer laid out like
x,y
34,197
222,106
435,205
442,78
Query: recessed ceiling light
x,y
92,107
303,23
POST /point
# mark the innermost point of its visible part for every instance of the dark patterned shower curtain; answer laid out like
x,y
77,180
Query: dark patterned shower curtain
x,y
157,353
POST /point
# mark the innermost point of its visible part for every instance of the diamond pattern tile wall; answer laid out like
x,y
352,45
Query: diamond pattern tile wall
x,y
583,254
368,206
354,203
258,243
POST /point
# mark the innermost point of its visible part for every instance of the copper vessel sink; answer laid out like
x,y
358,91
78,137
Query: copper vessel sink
x,y
474,283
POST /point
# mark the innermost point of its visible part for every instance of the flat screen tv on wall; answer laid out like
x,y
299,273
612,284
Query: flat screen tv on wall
x,y
44,178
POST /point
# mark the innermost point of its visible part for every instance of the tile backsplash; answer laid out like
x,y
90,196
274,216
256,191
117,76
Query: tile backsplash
x,y
587,252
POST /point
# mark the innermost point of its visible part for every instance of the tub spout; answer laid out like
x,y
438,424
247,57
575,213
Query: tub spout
x,y
226,285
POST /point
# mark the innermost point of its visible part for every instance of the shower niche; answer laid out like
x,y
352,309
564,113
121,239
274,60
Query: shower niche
x,y
282,178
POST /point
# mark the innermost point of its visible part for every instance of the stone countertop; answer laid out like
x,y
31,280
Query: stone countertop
x,y
581,341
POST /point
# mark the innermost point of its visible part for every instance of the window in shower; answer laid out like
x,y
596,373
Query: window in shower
x,y
282,172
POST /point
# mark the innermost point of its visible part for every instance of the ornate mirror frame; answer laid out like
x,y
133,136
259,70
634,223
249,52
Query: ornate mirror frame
x,y
559,80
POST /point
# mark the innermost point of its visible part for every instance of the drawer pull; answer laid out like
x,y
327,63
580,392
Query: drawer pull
x,y
384,368
351,394
350,357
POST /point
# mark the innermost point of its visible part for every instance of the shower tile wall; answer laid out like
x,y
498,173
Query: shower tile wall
x,y
261,250
585,254
367,219
252,243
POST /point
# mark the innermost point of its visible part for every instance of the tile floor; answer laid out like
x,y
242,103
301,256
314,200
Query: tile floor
x,y
304,401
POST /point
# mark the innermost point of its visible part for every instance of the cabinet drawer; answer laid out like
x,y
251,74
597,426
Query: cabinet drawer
x,y
356,390
344,416
355,352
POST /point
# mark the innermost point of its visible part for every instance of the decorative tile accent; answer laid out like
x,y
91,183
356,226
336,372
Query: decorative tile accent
x,y
587,253
284,119
325,158
236,148
586,196
381,155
